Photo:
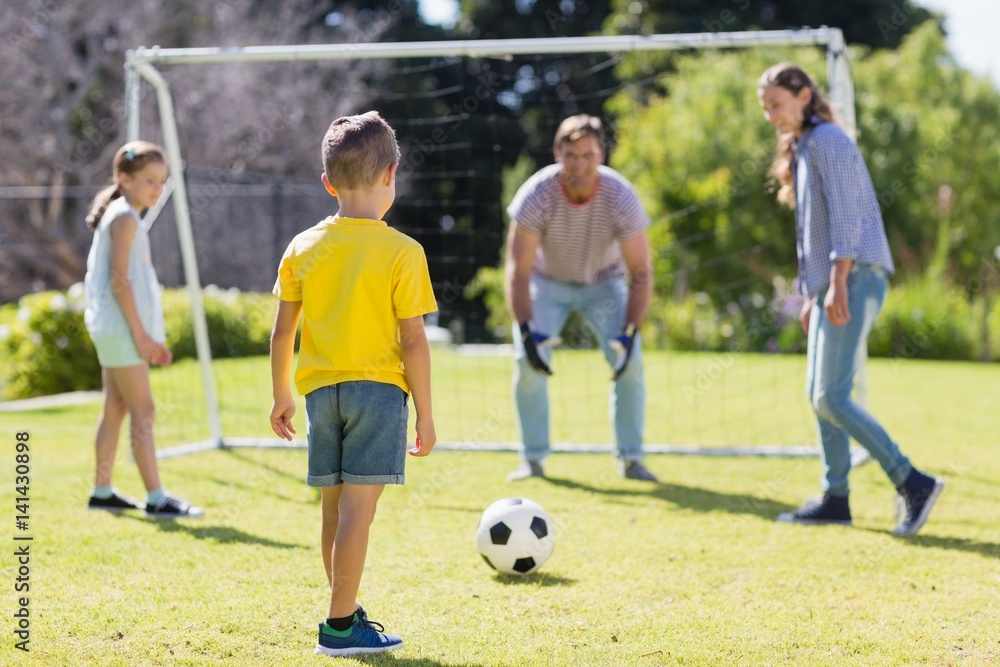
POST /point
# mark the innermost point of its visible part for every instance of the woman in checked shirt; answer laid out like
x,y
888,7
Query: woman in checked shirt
x,y
844,264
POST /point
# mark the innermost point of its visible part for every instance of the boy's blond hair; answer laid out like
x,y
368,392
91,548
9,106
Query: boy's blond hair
x,y
577,127
357,149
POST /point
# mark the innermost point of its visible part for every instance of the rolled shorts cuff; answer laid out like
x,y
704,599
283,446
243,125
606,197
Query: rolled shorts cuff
x,y
373,479
324,480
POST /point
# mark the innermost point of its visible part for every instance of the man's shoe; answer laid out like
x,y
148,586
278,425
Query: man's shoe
x,y
916,498
825,509
364,636
525,470
116,504
635,470
172,507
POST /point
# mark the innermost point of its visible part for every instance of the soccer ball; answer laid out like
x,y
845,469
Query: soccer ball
x,y
515,536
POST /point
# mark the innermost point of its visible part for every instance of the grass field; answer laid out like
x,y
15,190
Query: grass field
x,y
693,571
705,398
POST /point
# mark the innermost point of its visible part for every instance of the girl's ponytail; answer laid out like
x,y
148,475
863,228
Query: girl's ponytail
x,y
100,205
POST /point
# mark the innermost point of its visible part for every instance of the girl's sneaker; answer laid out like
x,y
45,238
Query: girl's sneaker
x,y
172,507
364,636
116,504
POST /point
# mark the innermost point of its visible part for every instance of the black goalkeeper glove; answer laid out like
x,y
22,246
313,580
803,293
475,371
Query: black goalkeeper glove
x,y
533,340
622,344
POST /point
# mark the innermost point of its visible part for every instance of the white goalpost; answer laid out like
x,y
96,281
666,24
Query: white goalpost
x,y
141,65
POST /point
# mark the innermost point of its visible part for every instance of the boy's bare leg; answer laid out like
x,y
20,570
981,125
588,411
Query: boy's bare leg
x,y
108,428
356,511
331,513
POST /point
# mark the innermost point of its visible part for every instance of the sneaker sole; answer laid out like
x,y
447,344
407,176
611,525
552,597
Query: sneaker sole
x,y
175,515
354,650
642,479
925,512
114,510
791,518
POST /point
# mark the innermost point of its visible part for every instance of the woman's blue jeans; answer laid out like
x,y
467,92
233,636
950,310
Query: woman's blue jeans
x,y
833,353
602,306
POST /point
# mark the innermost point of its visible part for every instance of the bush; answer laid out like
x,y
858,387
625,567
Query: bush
x,y
239,323
752,323
488,285
926,321
47,349
994,331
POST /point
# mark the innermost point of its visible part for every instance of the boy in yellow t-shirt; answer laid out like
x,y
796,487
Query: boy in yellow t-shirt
x,y
362,289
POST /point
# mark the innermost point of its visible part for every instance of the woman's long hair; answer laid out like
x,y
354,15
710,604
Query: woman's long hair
x,y
793,79
129,159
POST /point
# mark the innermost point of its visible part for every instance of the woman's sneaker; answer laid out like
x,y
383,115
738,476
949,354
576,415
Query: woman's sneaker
x,y
364,636
825,509
172,507
116,504
916,498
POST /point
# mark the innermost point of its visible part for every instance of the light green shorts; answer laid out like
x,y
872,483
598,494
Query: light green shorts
x,y
116,351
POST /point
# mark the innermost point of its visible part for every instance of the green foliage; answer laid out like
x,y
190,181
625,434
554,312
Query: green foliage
x,y
991,335
699,158
749,324
929,131
699,153
239,323
46,349
877,23
926,320
488,285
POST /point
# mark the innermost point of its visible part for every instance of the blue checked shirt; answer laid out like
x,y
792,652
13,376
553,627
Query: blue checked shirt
x,y
836,211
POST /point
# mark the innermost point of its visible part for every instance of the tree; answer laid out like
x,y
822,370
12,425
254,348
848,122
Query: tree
x,y
62,90
699,157
875,23
927,130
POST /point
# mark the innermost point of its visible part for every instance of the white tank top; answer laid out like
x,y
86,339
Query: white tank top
x,y
103,315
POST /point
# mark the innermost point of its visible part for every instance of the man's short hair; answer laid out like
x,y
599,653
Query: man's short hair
x,y
577,127
357,149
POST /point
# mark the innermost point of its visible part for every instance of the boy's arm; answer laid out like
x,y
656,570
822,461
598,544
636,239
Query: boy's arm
x,y
286,323
417,363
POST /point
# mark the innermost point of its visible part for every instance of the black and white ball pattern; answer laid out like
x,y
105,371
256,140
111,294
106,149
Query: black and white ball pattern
x,y
515,536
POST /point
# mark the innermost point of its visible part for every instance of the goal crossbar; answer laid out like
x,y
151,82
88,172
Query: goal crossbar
x,y
140,65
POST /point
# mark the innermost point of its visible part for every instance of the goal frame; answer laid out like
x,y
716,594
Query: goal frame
x,y
141,65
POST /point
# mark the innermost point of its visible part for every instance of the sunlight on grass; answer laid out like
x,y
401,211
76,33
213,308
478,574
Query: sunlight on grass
x,y
705,399
692,571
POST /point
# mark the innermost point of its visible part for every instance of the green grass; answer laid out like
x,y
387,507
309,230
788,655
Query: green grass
x,y
690,572
705,398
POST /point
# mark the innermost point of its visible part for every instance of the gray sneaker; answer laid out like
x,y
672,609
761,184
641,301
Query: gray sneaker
x,y
635,470
525,470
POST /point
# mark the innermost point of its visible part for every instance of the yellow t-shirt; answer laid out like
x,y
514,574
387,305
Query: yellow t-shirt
x,y
356,278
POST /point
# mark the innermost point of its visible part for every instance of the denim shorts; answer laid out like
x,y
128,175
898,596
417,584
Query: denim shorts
x,y
356,433
116,351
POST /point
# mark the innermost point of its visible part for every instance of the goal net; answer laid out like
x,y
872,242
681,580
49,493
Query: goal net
x,y
474,119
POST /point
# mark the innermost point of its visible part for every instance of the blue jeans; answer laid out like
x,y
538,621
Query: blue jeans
x,y
831,364
602,306
356,434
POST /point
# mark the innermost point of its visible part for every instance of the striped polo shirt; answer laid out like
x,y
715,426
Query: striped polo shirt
x,y
837,214
580,242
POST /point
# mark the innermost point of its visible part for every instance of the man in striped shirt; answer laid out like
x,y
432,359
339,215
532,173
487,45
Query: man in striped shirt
x,y
577,242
